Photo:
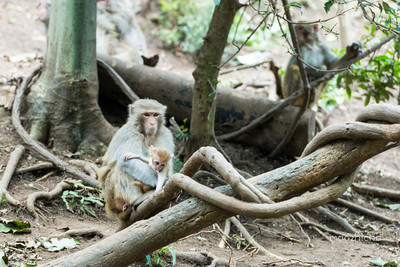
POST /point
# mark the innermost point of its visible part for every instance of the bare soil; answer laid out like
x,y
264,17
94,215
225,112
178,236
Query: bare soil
x,y
21,48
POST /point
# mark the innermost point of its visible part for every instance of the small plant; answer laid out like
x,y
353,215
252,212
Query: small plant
x,y
183,133
158,255
82,198
332,96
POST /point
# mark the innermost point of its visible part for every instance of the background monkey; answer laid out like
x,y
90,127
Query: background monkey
x,y
316,54
159,159
145,127
117,32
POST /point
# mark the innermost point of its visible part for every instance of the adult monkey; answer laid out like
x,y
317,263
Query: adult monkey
x,y
316,54
145,127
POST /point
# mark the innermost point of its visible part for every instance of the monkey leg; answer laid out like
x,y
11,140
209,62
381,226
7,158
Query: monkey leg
x,y
143,187
292,82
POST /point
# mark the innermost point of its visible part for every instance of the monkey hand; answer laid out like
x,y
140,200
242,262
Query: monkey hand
x,y
129,156
353,50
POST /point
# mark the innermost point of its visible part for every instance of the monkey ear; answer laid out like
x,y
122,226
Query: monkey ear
x,y
152,149
172,155
316,27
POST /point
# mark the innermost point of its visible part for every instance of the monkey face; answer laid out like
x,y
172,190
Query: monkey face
x,y
150,121
158,165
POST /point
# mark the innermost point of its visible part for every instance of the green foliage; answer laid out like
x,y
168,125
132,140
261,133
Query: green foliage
x,y
328,5
185,22
378,75
296,5
15,227
332,96
183,133
82,198
384,204
177,165
158,255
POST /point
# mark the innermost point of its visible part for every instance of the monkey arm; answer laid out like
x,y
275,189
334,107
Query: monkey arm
x,y
129,156
352,51
140,171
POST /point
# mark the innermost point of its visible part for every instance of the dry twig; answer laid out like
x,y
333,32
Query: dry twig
x,y
251,240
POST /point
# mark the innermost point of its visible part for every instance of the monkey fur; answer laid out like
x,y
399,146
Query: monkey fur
x,y
159,160
317,54
117,176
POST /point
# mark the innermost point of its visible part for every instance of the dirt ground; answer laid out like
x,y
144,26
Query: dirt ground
x,y
21,48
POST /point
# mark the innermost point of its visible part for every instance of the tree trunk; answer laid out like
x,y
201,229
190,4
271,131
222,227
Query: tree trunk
x,y
206,75
234,109
62,104
143,237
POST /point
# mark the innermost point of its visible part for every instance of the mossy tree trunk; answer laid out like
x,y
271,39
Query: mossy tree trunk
x,y
206,75
62,104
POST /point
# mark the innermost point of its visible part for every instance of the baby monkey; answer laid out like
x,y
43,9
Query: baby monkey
x,y
159,161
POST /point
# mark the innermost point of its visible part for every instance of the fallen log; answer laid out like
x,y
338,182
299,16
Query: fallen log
x,y
234,108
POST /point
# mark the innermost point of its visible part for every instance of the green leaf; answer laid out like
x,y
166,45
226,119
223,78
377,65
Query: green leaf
x,y
328,5
384,204
148,260
217,2
295,5
16,227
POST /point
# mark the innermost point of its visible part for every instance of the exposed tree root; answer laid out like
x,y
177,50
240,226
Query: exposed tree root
x,y
58,189
365,211
357,237
231,204
89,167
15,156
36,167
361,130
34,145
376,191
